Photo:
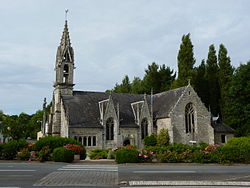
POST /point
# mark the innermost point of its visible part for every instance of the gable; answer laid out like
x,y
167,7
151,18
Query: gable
x,y
164,102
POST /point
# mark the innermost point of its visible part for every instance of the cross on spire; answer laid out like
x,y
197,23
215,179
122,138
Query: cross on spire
x,y
66,14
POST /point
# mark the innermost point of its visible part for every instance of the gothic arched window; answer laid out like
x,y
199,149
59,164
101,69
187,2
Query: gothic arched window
x,y
110,129
65,73
66,69
189,118
144,128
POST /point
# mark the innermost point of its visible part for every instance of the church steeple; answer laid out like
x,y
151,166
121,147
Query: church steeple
x,y
63,86
65,63
65,40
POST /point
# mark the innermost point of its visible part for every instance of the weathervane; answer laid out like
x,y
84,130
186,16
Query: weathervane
x,y
66,13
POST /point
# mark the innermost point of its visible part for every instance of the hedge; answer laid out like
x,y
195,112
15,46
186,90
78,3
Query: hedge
x,y
62,154
126,155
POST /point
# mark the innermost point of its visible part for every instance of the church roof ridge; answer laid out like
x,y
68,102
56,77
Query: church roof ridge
x,y
169,91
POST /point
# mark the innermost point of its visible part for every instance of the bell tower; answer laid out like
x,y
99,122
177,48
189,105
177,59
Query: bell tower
x,y
63,85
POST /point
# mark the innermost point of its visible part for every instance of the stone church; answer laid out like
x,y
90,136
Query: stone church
x,y
108,120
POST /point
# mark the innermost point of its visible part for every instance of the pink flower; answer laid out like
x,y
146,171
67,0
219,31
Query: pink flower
x,y
145,156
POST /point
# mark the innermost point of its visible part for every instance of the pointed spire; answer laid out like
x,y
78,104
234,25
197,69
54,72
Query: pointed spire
x,y
65,40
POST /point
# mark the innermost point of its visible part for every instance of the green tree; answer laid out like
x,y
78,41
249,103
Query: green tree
x,y
225,76
186,61
158,78
199,82
124,87
151,79
34,125
212,80
166,77
136,86
237,105
12,129
163,138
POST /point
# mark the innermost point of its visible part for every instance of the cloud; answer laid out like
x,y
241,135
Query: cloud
x,y
110,39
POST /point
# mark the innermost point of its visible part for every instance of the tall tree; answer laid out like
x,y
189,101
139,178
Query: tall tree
x,y
212,80
158,78
136,86
124,87
225,76
151,79
237,105
167,76
199,82
186,61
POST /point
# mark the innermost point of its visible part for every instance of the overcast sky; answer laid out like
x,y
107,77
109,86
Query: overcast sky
x,y
110,38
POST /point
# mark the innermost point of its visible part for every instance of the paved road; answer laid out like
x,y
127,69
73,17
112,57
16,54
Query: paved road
x,y
27,175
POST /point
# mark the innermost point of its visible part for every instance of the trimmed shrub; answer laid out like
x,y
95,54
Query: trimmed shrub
x,y
150,140
24,154
62,154
237,150
1,149
163,138
126,155
54,142
10,149
99,154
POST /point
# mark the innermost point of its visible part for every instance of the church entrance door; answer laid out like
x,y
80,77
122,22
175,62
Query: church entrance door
x,y
126,142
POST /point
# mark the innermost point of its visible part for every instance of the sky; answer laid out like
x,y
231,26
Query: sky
x,y
110,39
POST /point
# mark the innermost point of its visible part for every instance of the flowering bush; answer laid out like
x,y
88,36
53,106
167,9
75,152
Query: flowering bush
x,y
146,156
24,154
212,147
75,149
44,154
31,146
33,155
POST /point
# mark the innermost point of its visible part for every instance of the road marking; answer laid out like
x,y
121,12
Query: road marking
x,y
89,168
236,178
80,169
189,183
170,172
17,170
13,175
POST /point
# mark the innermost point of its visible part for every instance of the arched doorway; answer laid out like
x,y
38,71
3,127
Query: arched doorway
x,y
126,142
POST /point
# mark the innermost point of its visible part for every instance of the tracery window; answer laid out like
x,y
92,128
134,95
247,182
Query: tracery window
x,y
144,128
189,118
110,129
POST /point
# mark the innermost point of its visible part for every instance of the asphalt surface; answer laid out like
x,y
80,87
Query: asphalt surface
x,y
108,174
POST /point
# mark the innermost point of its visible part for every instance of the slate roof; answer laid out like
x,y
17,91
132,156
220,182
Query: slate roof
x,y
164,102
82,108
220,127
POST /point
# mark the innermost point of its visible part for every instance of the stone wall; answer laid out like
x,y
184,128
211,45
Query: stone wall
x,y
132,134
165,123
203,129
218,139
79,132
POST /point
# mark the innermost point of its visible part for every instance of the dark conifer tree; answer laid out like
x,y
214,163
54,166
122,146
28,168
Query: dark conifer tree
x,y
199,82
225,76
186,61
212,81
124,87
237,105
